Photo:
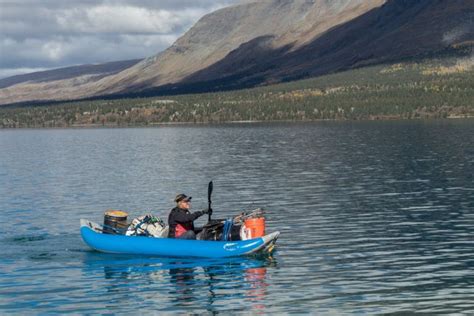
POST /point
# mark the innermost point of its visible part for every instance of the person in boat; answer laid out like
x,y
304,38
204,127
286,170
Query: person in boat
x,y
181,220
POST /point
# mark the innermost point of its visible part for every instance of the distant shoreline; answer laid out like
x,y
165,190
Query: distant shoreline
x,y
195,124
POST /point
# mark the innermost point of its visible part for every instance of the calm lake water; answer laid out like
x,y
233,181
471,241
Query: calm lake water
x,y
375,217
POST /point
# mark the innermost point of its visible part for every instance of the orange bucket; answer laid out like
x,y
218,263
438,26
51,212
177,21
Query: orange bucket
x,y
255,227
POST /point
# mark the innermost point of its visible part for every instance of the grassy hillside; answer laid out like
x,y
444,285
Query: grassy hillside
x,y
433,88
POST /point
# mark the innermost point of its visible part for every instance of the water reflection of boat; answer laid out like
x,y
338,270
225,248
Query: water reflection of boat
x,y
185,282
170,247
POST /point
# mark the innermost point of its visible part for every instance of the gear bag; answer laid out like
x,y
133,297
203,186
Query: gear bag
x,y
147,225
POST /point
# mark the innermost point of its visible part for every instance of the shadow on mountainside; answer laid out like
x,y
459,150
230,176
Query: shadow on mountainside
x,y
397,30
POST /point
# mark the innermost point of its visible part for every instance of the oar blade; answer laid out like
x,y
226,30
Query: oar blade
x,y
209,191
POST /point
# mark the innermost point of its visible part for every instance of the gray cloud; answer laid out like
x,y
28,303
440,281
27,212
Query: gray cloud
x,y
38,35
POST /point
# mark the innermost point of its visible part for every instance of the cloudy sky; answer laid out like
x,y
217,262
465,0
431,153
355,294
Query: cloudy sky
x,y
43,34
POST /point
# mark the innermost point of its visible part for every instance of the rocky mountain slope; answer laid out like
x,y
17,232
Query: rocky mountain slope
x,y
267,41
277,22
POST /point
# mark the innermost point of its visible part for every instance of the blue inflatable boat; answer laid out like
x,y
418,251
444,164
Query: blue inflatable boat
x,y
170,247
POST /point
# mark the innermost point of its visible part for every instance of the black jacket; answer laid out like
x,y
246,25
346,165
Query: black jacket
x,y
182,217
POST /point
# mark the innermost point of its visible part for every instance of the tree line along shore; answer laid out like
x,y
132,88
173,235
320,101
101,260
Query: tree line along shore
x,y
432,88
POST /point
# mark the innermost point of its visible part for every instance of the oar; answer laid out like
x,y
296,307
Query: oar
x,y
209,192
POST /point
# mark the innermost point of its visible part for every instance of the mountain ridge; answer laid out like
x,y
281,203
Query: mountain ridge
x,y
69,72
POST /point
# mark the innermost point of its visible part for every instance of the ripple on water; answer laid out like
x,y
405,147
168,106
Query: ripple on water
x,y
375,218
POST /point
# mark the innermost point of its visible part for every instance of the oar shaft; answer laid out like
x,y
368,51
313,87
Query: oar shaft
x,y
209,193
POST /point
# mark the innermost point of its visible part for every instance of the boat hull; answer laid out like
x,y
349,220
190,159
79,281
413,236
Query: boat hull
x,y
171,247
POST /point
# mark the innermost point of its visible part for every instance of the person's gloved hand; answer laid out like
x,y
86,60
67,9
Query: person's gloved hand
x,y
207,211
